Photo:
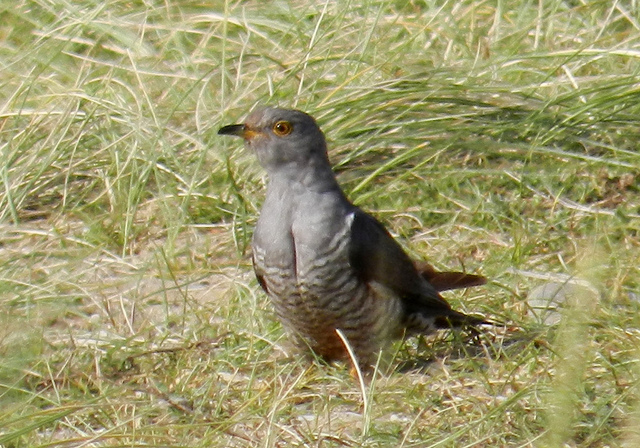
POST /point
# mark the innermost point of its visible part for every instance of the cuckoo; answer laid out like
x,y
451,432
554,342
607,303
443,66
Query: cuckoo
x,y
326,264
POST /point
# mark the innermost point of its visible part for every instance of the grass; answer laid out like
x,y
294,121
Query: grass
x,y
499,138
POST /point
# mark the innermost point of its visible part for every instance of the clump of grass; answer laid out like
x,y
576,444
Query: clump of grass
x,y
503,140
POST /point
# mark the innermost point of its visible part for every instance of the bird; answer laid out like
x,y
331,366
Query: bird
x,y
336,277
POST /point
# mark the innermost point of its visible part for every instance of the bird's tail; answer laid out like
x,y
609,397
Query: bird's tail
x,y
444,281
456,319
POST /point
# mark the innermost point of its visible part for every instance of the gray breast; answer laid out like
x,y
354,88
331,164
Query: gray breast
x,y
315,291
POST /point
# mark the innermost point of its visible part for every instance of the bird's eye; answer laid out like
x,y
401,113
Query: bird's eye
x,y
282,128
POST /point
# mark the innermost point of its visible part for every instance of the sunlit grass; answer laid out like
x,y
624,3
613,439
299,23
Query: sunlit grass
x,y
499,139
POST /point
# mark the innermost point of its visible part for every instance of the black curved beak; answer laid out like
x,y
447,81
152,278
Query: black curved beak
x,y
239,130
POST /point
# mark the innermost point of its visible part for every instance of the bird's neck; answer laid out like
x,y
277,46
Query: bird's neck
x,y
316,176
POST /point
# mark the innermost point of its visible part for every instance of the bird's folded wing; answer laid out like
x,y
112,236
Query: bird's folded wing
x,y
259,274
376,256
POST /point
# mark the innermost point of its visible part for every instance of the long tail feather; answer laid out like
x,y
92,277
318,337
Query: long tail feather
x,y
444,281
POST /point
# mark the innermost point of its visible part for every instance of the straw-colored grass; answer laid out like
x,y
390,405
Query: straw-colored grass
x,y
499,137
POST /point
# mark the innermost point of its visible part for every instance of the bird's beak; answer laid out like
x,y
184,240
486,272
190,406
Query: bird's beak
x,y
233,129
239,130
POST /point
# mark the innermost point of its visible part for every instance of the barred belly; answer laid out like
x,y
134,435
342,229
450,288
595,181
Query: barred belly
x,y
312,307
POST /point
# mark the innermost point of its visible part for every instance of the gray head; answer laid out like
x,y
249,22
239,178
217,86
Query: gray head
x,y
284,141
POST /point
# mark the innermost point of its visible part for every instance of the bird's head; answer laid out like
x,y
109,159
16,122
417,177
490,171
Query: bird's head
x,y
282,139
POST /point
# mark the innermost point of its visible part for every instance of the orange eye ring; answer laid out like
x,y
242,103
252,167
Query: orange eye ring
x,y
282,128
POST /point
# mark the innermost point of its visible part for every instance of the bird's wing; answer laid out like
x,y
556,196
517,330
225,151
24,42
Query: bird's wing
x,y
259,274
376,256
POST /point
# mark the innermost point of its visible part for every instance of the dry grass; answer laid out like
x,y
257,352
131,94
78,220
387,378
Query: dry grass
x,y
499,139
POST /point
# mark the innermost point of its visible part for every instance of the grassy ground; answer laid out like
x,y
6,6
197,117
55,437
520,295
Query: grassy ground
x,y
499,138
